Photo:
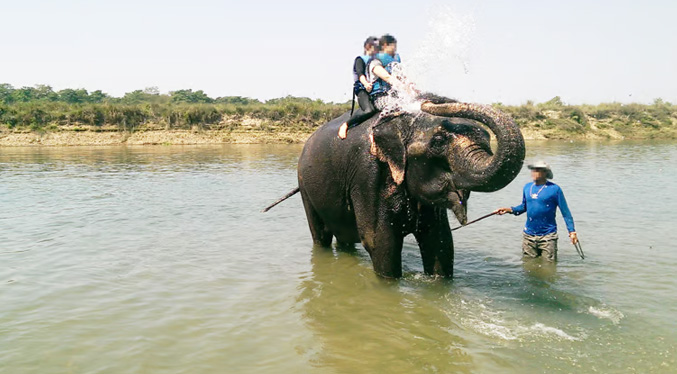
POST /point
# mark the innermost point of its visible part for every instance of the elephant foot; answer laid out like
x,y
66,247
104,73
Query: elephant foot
x,y
345,247
442,266
440,270
390,267
389,274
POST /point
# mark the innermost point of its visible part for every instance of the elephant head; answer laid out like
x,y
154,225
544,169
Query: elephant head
x,y
442,153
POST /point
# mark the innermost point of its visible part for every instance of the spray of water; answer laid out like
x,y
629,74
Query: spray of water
x,y
445,50
442,54
403,97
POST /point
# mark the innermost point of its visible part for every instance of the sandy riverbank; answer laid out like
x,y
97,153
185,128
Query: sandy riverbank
x,y
147,137
89,137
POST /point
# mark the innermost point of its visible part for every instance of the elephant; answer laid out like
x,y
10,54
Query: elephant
x,y
397,174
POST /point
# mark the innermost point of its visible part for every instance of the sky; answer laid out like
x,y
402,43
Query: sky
x,y
480,51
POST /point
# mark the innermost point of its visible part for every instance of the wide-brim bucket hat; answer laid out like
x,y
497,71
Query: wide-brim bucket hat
x,y
542,165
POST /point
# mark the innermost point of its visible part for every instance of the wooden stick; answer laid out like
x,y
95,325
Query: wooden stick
x,y
477,220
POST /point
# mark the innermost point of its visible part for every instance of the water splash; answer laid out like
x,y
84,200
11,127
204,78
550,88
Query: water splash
x,y
513,330
613,315
445,50
541,329
480,317
402,97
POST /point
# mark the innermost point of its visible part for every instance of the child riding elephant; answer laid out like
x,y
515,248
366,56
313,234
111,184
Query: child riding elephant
x,y
384,79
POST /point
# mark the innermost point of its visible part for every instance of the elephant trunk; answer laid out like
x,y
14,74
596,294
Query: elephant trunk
x,y
483,171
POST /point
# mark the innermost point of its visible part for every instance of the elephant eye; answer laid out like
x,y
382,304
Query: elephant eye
x,y
438,140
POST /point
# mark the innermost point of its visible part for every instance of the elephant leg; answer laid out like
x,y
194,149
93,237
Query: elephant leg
x,y
435,241
345,247
321,234
378,236
385,249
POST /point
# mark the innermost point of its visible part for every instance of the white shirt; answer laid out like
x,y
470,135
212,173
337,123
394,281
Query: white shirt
x,y
371,77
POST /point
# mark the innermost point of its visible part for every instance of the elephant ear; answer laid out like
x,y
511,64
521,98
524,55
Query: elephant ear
x,y
387,145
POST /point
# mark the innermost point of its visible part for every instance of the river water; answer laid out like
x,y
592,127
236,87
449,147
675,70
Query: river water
x,y
157,260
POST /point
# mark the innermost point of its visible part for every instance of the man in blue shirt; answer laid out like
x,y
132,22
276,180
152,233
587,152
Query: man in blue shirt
x,y
540,200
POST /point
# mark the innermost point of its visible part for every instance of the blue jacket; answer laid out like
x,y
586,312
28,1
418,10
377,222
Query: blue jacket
x,y
380,87
540,203
366,60
357,85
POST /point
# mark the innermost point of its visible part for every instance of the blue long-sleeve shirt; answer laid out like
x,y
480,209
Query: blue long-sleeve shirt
x,y
541,210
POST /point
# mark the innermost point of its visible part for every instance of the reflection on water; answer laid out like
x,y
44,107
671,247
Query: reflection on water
x,y
367,324
156,259
540,269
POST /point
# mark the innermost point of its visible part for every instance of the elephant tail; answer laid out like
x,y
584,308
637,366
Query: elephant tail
x,y
283,198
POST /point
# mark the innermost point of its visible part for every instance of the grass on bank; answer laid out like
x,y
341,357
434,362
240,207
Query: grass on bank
x,y
40,108
554,119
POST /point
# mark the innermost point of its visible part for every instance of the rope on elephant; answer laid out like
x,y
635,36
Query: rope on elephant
x,y
477,220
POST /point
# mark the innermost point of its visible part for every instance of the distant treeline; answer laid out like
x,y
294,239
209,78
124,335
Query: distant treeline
x,y
555,119
42,108
44,93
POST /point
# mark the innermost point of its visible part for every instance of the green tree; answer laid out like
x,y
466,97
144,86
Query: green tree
x,y
293,100
134,97
188,96
6,90
23,94
45,92
98,97
237,100
554,102
72,96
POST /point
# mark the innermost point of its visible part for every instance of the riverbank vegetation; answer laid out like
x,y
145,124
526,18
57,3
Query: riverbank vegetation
x,y
42,110
557,120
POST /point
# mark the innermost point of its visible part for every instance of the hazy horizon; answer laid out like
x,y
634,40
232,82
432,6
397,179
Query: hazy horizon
x,y
485,51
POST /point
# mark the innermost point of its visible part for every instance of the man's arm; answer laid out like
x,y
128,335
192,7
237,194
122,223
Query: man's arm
x,y
519,209
566,214
516,210
367,85
360,70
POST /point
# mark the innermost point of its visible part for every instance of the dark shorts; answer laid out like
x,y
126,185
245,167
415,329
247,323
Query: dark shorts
x,y
364,101
537,246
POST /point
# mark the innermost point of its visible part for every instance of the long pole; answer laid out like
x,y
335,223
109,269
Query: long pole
x,y
477,220
577,245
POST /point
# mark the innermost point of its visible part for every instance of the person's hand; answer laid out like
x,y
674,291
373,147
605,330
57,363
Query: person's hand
x,y
368,87
574,237
502,211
